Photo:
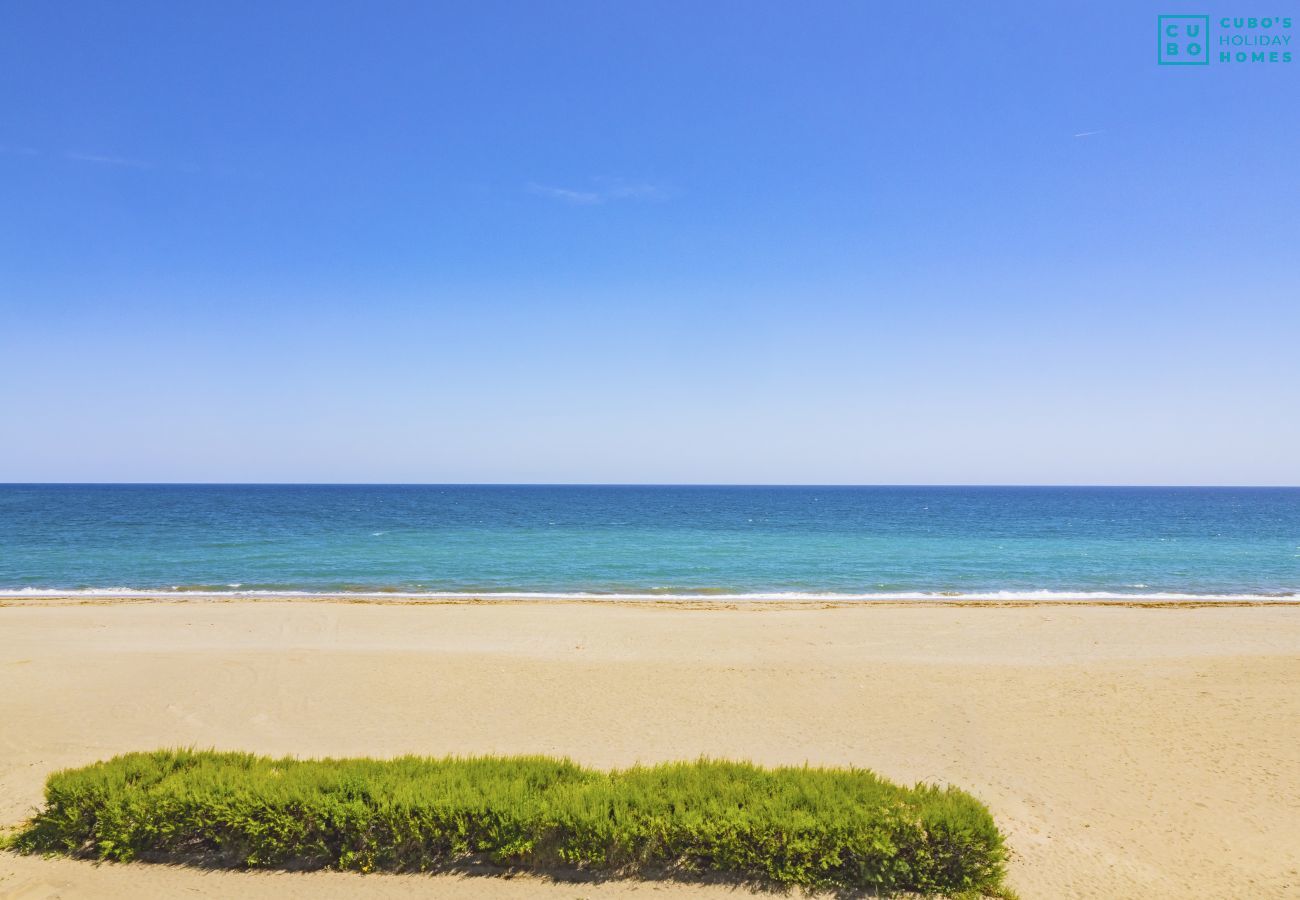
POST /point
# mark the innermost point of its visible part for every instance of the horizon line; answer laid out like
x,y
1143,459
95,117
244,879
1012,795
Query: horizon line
x,y
665,484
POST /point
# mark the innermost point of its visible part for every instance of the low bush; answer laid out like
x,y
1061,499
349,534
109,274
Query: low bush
x,y
790,826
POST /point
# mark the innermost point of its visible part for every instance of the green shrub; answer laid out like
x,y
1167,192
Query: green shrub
x,y
792,826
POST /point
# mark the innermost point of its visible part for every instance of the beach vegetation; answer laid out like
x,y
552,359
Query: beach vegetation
x,y
814,827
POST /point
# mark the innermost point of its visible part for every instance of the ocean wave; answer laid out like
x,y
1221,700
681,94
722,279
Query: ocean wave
x,y
704,595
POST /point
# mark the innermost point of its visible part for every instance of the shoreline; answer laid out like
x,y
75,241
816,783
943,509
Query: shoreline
x,y
664,601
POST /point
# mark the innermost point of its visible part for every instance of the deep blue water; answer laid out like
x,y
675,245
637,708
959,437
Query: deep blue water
x,y
860,541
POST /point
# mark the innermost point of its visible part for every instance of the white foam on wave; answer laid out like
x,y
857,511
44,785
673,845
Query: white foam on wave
x,y
810,596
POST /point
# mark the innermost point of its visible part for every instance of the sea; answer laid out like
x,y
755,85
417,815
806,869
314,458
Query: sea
x,y
833,543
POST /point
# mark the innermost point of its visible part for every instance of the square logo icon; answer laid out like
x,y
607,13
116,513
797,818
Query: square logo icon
x,y
1184,41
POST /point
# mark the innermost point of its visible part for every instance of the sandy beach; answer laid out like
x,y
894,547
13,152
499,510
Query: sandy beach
x,y
1126,752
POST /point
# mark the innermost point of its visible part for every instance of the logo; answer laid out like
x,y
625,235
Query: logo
x,y
1186,40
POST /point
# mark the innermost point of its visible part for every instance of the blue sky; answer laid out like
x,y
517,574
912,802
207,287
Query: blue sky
x,y
642,242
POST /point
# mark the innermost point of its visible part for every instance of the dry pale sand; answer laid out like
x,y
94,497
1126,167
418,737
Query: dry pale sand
x,y
1126,752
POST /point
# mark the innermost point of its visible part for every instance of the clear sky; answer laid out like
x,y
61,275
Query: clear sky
x,y
831,242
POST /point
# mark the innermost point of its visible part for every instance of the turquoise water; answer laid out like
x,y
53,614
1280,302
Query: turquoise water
x,y
844,541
